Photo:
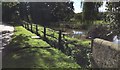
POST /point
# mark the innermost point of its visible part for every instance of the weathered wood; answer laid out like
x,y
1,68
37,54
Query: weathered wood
x,y
22,24
28,26
60,37
25,25
31,27
36,29
44,32
92,40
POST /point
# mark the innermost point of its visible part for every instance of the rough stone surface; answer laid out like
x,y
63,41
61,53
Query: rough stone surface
x,y
6,31
106,54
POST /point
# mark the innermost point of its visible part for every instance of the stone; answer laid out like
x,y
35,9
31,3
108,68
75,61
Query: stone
x,y
105,54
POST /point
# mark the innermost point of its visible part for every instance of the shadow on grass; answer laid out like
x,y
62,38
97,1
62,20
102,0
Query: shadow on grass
x,y
20,54
36,58
16,43
79,52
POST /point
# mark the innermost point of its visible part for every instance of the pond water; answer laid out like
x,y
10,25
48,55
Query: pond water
x,y
73,33
76,34
116,40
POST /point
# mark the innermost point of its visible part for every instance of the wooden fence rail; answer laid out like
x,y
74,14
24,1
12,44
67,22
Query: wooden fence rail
x,y
30,26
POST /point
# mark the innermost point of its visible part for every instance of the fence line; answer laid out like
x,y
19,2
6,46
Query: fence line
x,y
61,44
30,27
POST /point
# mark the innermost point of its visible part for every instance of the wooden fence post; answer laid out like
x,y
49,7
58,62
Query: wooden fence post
x,y
31,27
22,24
28,25
44,32
60,37
36,29
25,25
92,40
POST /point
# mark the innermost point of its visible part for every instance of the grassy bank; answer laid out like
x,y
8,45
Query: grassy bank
x,y
25,52
79,49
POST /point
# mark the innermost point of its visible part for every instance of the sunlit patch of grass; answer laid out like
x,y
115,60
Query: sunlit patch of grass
x,y
84,43
34,56
55,34
100,22
73,47
22,38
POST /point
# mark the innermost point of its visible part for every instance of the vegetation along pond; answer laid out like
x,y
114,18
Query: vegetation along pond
x,y
73,33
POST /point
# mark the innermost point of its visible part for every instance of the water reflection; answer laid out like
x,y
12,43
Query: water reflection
x,y
76,34
116,40
73,33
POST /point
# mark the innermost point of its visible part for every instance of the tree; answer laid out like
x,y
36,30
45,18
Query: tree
x,y
90,11
63,11
45,12
40,12
113,17
108,31
8,11
24,11
78,16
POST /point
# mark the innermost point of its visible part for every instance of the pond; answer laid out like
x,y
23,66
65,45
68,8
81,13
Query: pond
x,y
116,40
73,33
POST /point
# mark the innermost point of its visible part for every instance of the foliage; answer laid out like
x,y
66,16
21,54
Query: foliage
x,y
100,31
39,12
8,11
23,10
44,13
101,16
90,11
78,16
113,17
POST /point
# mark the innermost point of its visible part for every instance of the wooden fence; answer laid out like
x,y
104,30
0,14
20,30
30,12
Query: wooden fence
x,y
60,42
31,28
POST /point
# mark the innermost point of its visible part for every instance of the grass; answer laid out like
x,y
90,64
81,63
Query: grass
x,y
56,35
78,49
100,22
25,52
